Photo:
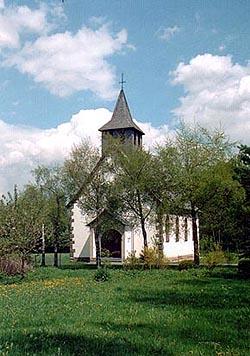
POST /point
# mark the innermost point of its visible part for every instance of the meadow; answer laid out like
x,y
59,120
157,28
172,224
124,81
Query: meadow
x,y
144,312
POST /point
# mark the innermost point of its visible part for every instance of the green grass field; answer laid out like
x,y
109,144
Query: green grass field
x,y
166,312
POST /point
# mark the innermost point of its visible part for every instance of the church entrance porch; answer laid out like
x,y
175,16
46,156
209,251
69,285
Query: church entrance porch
x,y
111,231
111,244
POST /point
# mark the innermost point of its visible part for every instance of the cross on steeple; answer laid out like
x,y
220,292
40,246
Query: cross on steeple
x,y
122,81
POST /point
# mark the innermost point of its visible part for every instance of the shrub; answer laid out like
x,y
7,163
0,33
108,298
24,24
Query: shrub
x,y
214,258
105,252
101,275
207,244
12,265
5,279
231,257
153,258
244,267
185,265
132,262
106,263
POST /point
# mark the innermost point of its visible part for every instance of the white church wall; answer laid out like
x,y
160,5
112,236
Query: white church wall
x,y
82,235
172,248
93,247
182,247
128,242
137,241
83,243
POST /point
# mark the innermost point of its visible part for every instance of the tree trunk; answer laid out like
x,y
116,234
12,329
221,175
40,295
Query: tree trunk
x,y
142,219
160,231
43,264
55,255
22,266
98,247
56,231
195,235
144,232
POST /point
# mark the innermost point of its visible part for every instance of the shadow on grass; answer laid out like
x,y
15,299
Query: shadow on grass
x,y
196,294
91,266
77,266
226,273
158,339
69,344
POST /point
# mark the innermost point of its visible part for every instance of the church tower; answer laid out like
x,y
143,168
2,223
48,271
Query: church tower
x,y
121,125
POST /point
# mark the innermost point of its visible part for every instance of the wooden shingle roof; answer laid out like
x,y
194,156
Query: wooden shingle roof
x,y
121,118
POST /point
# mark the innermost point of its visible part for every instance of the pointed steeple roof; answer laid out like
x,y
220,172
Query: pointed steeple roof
x,y
121,118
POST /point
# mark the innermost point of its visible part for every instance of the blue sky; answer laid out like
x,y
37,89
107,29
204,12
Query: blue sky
x,y
181,59
204,27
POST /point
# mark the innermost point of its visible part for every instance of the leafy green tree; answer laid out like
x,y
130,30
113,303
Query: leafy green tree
x,y
223,199
197,157
242,170
51,182
87,177
135,177
165,186
21,216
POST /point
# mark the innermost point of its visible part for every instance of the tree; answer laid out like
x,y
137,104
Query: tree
x,y
197,156
223,199
87,176
21,216
51,182
242,171
134,176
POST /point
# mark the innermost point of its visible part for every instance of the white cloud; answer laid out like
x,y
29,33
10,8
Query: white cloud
x,y
62,62
154,135
97,20
168,32
23,148
16,20
66,62
217,93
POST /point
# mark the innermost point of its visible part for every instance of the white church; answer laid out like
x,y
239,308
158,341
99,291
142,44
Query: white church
x,y
122,239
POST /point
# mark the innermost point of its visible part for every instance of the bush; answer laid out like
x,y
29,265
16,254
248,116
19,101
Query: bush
x,y
207,244
12,265
153,258
214,258
105,253
4,279
101,275
185,265
132,262
244,267
231,257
